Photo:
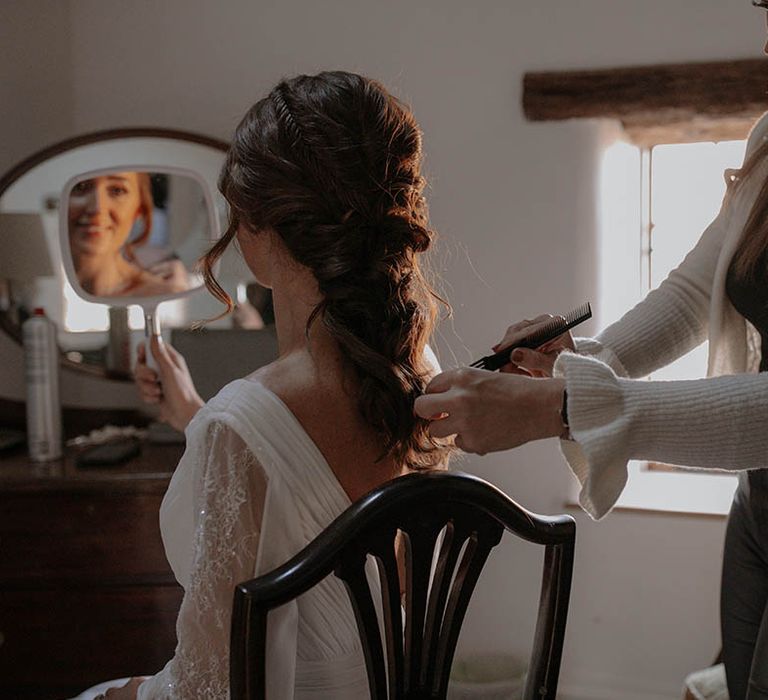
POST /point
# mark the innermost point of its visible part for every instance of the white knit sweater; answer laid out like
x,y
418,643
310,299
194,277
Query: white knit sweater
x,y
720,422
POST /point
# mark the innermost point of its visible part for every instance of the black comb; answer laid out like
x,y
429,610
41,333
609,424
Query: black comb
x,y
557,326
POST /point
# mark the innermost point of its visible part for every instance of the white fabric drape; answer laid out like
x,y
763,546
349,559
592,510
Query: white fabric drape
x,y
251,490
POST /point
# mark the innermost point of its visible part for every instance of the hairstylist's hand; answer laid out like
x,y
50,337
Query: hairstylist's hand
x,y
487,411
538,362
171,386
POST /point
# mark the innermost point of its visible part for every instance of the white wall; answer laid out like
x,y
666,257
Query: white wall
x,y
516,206
35,78
37,110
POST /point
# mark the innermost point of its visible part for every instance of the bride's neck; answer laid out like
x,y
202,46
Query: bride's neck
x,y
294,299
102,275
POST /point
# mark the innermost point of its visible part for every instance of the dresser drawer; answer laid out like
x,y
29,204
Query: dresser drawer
x,y
56,642
86,594
87,537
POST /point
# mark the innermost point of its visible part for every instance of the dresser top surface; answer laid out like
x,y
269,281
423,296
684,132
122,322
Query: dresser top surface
x,y
149,471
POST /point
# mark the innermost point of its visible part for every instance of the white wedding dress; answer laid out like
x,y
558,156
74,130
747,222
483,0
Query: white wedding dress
x,y
250,491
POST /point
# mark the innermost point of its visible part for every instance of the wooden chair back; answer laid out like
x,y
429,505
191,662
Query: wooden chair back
x,y
449,523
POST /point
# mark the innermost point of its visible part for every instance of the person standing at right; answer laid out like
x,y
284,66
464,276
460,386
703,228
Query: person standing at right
x,y
590,392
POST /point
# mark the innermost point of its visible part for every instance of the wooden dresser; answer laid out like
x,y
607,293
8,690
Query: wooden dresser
x,y
86,594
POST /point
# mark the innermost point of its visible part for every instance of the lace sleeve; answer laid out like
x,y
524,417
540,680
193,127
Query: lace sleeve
x,y
230,492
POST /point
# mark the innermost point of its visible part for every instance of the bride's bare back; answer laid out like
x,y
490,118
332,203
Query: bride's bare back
x,y
322,396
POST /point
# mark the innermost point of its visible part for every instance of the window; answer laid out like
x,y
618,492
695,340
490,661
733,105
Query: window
x,y
679,189
682,191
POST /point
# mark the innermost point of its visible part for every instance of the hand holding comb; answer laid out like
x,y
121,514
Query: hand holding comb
x,y
557,326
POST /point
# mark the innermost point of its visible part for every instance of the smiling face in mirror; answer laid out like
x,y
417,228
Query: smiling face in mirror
x,y
103,209
110,218
121,237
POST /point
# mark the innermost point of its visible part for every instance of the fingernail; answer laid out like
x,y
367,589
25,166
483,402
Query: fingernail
x,y
517,355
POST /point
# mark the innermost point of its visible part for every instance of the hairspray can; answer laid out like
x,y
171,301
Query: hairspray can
x,y
41,363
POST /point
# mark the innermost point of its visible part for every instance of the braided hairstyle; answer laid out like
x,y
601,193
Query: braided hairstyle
x,y
332,164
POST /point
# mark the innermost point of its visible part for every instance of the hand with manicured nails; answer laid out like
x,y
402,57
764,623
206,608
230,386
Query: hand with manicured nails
x,y
488,411
530,362
171,386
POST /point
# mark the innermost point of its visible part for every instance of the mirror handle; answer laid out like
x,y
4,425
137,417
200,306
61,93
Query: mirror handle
x,y
151,329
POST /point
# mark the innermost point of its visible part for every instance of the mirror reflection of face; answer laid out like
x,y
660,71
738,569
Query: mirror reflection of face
x,y
130,231
102,212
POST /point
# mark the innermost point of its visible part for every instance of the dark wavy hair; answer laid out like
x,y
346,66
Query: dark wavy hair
x,y
332,164
749,257
147,210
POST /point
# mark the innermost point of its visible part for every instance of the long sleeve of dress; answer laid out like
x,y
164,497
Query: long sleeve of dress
x,y
229,492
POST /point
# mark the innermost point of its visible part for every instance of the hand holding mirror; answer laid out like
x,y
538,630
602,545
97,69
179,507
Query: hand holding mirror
x,y
132,235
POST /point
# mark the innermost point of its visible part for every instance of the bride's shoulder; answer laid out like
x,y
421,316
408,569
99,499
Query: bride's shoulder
x,y
289,377
264,375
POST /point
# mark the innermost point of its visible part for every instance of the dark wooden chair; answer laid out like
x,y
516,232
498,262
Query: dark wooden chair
x,y
417,660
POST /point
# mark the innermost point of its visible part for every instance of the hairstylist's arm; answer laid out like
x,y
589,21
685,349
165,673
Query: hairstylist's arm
x,y
488,411
171,386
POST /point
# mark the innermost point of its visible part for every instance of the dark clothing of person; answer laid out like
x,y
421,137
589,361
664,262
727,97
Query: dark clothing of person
x,y
744,590
744,597
750,298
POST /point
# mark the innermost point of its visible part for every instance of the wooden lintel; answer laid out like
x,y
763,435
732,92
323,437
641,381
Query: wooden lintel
x,y
656,104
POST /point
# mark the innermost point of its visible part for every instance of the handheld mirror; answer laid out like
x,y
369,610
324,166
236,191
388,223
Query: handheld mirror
x,y
132,235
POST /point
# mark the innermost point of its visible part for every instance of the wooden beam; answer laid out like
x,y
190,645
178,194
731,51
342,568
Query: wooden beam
x,y
656,104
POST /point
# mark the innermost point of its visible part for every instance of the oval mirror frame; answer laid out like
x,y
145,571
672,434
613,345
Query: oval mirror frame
x,y
8,179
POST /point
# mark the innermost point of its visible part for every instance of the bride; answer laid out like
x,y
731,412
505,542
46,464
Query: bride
x,y
326,195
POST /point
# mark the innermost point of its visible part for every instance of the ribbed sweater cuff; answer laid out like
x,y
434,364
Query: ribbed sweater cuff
x,y
599,429
715,423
